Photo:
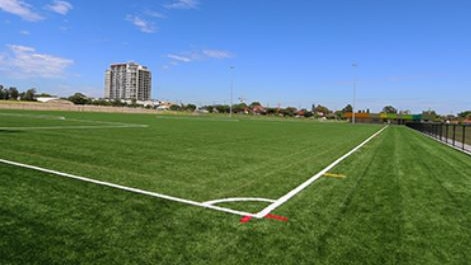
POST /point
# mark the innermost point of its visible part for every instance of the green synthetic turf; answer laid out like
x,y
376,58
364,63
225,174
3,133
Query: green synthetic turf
x,y
405,200
197,158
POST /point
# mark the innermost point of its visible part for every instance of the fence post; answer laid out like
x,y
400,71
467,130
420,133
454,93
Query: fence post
x,y
464,132
446,133
454,134
441,131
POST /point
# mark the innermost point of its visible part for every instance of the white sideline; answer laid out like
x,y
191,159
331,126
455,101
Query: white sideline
x,y
121,187
308,182
238,199
111,124
70,127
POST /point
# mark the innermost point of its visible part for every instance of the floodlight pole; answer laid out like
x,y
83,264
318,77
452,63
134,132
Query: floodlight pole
x,y
354,65
232,85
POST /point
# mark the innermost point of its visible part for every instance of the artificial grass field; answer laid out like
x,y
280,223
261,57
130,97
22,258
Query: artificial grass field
x,y
406,198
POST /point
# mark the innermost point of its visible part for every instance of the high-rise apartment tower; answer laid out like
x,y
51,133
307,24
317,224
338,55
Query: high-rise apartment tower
x,y
128,81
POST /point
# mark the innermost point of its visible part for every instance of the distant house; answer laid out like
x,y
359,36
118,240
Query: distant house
x,y
300,113
259,109
165,105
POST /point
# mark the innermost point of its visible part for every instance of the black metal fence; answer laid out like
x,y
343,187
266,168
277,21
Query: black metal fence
x,y
456,135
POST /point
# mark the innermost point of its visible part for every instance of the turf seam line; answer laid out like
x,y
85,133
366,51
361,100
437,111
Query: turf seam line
x,y
308,182
125,188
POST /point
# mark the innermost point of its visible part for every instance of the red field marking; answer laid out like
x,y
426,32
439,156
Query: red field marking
x,y
280,218
245,219
277,217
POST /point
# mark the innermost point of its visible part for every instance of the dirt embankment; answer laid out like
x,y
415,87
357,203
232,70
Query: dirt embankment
x,y
70,107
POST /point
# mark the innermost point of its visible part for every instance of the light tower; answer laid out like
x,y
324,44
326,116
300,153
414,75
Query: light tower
x,y
354,66
232,85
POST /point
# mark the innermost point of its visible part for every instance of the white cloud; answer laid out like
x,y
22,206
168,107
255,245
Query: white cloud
x,y
60,7
187,57
141,24
24,32
179,58
155,14
183,4
23,61
217,54
20,8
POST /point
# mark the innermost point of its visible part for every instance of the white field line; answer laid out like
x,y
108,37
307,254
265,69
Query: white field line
x,y
70,127
47,117
111,124
308,182
238,200
121,187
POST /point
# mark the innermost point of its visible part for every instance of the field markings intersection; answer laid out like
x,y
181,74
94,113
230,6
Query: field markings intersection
x,y
265,213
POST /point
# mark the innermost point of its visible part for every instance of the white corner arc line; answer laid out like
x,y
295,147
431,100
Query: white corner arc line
x,y
238,199
308,182
121,187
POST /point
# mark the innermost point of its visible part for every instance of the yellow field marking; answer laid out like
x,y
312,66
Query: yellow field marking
x,y
332,175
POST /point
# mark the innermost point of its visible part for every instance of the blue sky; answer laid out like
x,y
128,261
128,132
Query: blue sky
x,y
411,54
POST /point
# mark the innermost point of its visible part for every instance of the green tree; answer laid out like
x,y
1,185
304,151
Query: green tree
x,y
209,108
117,103
255,103
3,92
29,95
308,114
390,109
241,107
347,108
79,99
101,102
190,107
13,93
222,108
289,111
464,114
175,107
271,111
322,109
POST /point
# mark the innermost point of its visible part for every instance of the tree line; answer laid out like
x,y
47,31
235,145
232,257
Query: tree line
x,y
12,93
316,111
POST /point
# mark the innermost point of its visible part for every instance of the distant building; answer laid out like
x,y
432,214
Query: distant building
x,y
128,81
54,100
